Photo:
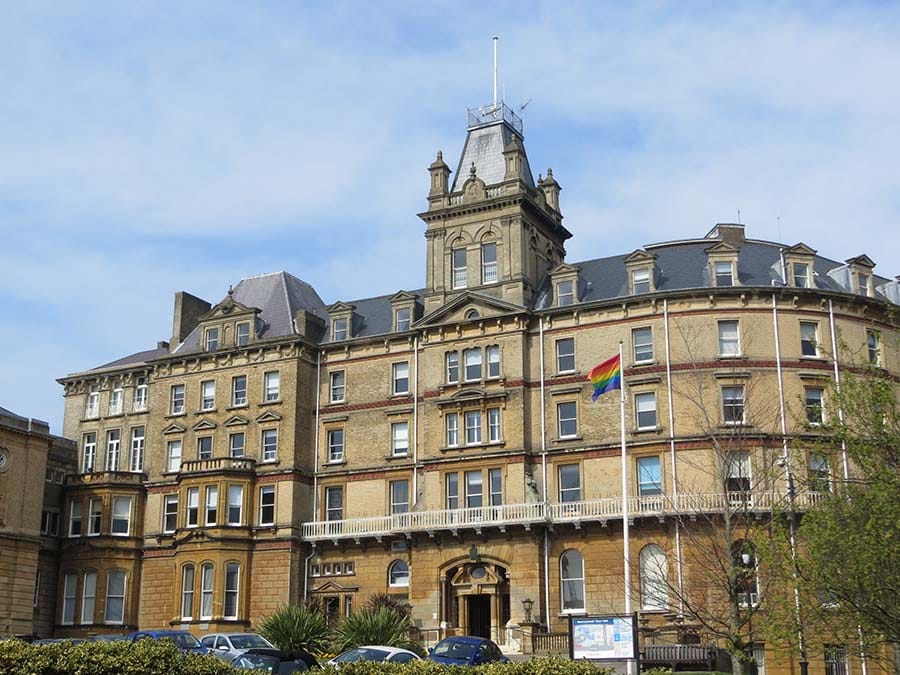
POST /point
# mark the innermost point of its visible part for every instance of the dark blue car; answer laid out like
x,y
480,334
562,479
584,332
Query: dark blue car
x,y
182,639
464,650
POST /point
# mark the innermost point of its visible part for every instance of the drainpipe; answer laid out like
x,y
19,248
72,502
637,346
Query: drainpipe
x,y
837,384
792,496
544,481
678,561
315,500
415,476
306,560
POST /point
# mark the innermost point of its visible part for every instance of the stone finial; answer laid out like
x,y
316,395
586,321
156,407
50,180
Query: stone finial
x,y
440,174
472,170
440,156
230,291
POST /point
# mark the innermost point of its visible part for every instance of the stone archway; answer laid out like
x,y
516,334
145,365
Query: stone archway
x,y
475,597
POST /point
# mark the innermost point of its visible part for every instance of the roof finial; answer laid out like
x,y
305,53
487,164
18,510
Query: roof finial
x,y
472,170
230,291
440,156
550,173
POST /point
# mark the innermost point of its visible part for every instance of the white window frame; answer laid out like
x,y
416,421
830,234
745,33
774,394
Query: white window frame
x,y
565,293
272,386
723,273
202,452
211,506
242,334
170,511
452,428
399,439
188,573
809,339
337,389
399,504
136,456
263,506
642,344
653,567
113,449
488,267
208,395
566,494
235,505
873,347
567,576
207,585
176,399
561,420
640,281
336,449
119,515
173,456
400,378
459,272
495,487
398,574
108,616
492,356
451,362
564,355
95,516
800,280
92,403
495,434
474,485
730,400
76,516
451,490
89,452
649,484
88,596
116,400
211,338
192,508
238,391
402,319
269,444
729,345
232,591
644,405
472,358
473,427
331,510
340,329
814,405
141,389
237,444
70,597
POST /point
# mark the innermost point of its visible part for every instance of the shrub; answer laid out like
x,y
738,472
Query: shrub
x,y
381,626
551,666
378,600
295,627
147,657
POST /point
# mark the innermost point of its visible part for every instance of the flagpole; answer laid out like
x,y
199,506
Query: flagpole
x,y
625,533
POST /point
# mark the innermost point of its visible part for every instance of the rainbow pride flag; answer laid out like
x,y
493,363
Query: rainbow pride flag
x,y
606,377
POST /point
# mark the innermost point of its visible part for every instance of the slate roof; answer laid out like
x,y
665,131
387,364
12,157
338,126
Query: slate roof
x,y
484,147
278,296
136,358
374,316
9,413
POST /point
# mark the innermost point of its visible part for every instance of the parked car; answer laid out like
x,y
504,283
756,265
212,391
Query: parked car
x,y
108,637
273,660
53,641
464,650
229,645
182,639
375,653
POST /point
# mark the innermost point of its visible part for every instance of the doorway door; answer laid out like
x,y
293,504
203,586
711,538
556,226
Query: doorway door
x,y
479,615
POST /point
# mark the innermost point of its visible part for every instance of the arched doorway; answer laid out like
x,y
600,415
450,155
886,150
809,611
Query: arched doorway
x,y
475,598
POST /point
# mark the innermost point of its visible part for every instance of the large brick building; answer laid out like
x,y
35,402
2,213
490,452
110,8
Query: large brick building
x,y
440,443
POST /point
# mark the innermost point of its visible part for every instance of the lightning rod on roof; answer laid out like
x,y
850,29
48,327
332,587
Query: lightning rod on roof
x,y
496,40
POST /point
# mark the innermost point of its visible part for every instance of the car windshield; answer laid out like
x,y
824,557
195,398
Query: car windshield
x,y
183,640
362,654
248,641
267,664
454,649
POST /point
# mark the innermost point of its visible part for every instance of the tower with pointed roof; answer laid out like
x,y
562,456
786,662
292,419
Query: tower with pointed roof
x,y
492,230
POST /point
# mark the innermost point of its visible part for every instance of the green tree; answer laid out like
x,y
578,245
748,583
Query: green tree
x,y
382,625
296,627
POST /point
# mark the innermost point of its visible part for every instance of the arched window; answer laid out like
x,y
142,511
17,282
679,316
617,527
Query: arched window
x,y
472,314
398,574
654,579
571,577
187,592
746,579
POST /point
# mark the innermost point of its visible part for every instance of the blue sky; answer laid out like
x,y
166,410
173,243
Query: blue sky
x,y
147,148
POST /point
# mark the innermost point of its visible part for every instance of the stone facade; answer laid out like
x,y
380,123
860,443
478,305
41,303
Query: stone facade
x,y
441,446
33,468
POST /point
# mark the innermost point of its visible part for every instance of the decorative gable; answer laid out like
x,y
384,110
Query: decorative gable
x,y
722,264
269,416
229,324
204,425
174,428
861,268
342,316
564,280
236,421
405,310
468,306
798,266
640,267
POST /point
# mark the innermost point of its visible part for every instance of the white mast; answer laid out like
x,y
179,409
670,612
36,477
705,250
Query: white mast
x,y
496,40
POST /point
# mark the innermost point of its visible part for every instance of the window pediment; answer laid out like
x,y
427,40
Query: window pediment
x,y
269,416
175,428
236,421
455,311
204,425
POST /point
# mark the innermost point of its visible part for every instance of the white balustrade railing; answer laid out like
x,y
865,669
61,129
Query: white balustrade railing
x,y
597,510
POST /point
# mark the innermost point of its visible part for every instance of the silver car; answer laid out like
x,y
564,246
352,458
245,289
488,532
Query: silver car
x,y
230,645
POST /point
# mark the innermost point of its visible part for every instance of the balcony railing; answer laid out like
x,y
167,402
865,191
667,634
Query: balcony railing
x,y
526,515
219,464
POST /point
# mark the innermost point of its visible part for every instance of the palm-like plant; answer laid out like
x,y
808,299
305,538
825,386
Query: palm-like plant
x,y
295,627
379,626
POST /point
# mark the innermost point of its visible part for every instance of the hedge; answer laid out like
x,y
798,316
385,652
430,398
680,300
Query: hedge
x,y
147,657
151,657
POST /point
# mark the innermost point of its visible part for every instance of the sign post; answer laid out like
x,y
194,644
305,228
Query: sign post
x,y
610,637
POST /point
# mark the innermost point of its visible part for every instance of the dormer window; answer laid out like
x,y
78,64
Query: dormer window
x,y
402,319
724,273
862,284
460,269
212,339
800,275
488,263
339,329
242,335
565,293
640,281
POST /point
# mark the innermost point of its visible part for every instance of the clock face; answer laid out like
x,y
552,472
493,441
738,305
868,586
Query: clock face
x,y
4,460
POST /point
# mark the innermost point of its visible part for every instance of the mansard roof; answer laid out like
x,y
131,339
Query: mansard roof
x,y
484,148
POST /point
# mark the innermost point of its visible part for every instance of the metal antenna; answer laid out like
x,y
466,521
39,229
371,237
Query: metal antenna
x,y
496,40
739,216
778,218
